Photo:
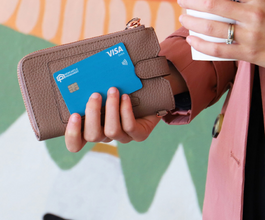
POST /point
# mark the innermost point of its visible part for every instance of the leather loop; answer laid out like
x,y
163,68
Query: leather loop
x,y
151,68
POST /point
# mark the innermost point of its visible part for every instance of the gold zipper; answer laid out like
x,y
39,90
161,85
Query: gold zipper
x,y
135,22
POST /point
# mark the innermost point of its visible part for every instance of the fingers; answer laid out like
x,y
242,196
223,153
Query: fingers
x,y
112,127
73,136
120,123
210,27
93,131
217,49
225,8
127,117
138,129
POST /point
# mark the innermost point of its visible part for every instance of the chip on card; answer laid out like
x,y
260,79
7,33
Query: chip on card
x,y
111,67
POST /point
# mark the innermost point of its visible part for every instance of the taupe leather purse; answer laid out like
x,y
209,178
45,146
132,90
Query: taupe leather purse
x,y
45,106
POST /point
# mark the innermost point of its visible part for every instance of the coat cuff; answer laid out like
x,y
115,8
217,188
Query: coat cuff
x,y
206,80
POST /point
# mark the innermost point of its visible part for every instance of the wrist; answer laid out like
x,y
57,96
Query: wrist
x,y
176,80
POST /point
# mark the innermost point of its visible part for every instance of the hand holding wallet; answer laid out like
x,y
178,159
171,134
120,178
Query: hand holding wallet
x,y
45,106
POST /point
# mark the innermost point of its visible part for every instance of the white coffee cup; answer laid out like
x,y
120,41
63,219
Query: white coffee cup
x,y
196,55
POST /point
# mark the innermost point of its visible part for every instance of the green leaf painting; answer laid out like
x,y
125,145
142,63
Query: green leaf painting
x,y
62,157
144,163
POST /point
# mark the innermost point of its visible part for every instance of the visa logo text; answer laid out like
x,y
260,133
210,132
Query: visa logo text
x,y
115,51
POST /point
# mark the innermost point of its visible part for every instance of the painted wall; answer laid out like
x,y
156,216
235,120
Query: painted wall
x,y
160,178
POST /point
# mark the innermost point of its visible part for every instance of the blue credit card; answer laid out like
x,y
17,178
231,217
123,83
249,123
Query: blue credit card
x,y
111,67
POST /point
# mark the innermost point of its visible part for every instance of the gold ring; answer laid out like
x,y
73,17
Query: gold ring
x,y
230,38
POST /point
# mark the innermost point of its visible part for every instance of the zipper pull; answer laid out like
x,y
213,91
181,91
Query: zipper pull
x,y
135,22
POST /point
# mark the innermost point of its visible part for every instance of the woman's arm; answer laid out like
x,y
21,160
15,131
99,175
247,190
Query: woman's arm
x,y
206,81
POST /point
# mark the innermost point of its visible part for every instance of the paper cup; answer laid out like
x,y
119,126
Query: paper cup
x,y
196,55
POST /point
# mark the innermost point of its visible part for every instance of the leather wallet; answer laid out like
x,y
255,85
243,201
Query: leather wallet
x,y
45,106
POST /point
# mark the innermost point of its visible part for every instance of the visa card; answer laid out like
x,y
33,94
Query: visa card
x,y
111,67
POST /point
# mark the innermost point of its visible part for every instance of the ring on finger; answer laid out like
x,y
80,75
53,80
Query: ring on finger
x,y
230,37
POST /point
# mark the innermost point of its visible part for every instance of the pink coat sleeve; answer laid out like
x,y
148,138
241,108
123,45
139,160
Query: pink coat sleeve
x,y
206,80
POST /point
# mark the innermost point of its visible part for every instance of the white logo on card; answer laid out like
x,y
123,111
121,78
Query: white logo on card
x,y
124,62
115,51
61,77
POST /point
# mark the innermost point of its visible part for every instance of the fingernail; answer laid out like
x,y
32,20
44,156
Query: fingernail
x,y
124,97
94,96
74,118
188,40
180,19
112,90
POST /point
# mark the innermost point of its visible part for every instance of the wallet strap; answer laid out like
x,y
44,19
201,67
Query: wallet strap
x,y
152,68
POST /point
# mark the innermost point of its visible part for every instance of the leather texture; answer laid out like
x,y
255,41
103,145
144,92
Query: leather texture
x,y
45,106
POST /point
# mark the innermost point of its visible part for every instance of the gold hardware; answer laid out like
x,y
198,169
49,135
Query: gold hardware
x,y
217,125
135,22
161,113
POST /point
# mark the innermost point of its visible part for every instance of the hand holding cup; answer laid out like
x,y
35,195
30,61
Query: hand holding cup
x,y
249,29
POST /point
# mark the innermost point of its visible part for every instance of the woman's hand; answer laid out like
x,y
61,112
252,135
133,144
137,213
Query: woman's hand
x,y
249,33
120,123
